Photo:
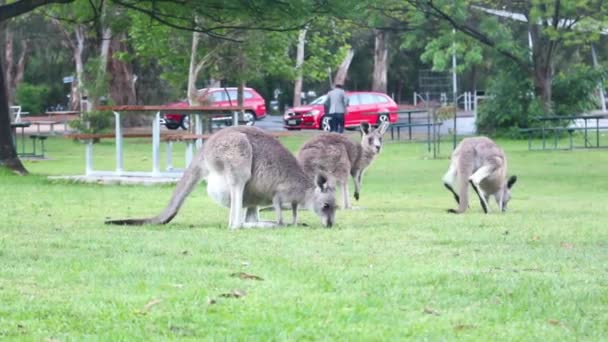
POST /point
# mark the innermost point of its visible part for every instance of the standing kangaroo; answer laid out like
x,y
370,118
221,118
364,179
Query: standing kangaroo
x,y
337,156
245,168
480,162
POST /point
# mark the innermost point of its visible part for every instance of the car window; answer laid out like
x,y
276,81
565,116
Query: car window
x,y
231,96
319,100
353,100
381,99
247,94
367,98
216,96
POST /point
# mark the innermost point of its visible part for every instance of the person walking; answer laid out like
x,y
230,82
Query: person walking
x,y
336,103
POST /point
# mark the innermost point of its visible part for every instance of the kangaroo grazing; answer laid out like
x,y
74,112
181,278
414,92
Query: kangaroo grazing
x,y
337,156
245,168
480,162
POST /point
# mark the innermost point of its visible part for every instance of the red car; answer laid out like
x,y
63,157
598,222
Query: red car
x,y
221,97
371,107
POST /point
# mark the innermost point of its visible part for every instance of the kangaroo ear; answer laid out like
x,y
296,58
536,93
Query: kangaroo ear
x,y
383,127
511,181
365,127
321,181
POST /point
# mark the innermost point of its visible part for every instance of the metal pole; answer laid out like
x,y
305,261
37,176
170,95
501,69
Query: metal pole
x,y
454,82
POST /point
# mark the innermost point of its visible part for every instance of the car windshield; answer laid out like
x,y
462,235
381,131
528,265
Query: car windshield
x,y
319,100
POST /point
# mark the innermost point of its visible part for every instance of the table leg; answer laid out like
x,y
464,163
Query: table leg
x,y
156,144
119,141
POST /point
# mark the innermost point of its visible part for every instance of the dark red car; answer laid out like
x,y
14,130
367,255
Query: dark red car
x,y
371,107
221,97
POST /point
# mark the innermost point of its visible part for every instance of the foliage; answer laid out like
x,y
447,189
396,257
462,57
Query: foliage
x,y
512,105
396,268
95,121
509,104
32,98
574,89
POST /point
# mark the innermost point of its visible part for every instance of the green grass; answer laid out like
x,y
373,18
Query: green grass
x,y
399,268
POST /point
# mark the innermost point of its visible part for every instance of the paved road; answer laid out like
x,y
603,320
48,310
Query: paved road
x,y
464,125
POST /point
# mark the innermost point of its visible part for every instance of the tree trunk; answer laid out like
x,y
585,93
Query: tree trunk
x,y
20,67
380,61
78,86
8,154
297,87
122,83
192,70
9,63
542,71
343,69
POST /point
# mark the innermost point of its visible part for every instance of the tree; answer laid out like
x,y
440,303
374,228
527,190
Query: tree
x,y
8,154
549,24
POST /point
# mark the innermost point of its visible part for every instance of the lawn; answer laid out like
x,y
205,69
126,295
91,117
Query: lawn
x,y
398,267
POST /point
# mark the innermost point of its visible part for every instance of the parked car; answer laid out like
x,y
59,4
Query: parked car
x,y
221,97
371,107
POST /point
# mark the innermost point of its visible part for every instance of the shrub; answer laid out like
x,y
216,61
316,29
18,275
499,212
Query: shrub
x,y
31,98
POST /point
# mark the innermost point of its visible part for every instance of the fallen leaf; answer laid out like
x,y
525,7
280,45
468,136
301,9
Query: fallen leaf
x,y
211,301
554,322
432,312
149,305
464,326
185,252
567,245
236,293
244,275
535,238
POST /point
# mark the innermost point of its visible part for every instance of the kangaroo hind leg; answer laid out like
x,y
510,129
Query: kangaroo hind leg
x,y
448,181
475,181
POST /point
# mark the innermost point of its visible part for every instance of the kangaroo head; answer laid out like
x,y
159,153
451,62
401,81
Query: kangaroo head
x,y
371,139
324,200
505,195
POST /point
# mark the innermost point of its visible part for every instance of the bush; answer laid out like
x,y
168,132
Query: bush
x,y
93,122
31,98
512,104
574,89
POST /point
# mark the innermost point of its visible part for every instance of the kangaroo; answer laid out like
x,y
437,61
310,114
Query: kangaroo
x,y
480,162
337,156
244,168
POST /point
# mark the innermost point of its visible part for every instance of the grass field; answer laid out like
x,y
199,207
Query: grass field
x,y
397,268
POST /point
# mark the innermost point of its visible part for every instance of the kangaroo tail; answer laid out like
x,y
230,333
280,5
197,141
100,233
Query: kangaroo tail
x,y
193,174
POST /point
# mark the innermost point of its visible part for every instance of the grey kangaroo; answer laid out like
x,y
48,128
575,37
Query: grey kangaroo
x,y
480,162
245,168
337,156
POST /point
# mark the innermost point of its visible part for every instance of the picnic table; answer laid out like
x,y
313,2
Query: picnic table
x,y
36,138
202,115
51,121
568,127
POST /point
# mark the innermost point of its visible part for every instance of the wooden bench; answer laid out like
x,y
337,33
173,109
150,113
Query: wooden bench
x,y
50,123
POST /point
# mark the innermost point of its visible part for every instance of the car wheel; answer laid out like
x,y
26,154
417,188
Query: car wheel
x,y
326,124
249,118
185,122
383,118
172,125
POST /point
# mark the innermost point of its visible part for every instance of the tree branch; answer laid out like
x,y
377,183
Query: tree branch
x,y
23,6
